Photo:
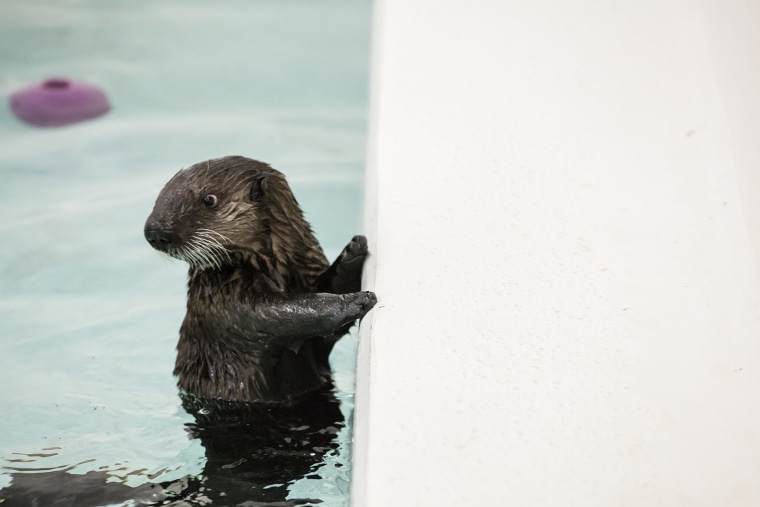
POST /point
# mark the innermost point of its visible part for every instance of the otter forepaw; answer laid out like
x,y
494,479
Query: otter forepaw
x,y
357,247
360,302
345,274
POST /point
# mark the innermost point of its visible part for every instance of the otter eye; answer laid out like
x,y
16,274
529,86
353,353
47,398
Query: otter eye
x,y
210,200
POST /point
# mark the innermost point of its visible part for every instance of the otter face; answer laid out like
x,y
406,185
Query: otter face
x,y
206,212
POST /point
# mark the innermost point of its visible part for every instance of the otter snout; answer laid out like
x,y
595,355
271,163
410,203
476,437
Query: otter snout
x,y
160,237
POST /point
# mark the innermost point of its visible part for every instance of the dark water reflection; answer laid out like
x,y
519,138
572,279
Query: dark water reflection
x,y
254,453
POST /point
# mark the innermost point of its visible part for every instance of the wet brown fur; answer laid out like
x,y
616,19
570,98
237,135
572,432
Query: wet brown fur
x,y
259,248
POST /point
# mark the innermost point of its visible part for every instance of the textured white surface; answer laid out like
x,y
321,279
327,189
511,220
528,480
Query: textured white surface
x,y
562,207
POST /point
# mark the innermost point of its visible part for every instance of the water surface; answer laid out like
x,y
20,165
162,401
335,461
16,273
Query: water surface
x,y
89,313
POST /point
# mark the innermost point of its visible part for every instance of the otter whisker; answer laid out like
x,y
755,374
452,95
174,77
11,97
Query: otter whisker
x,y
212,244
183,254
220,254
206,242
192,256
202,255
212,236
207,251
210,241
214,233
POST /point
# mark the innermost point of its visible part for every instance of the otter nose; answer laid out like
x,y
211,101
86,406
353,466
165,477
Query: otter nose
x,y
160,238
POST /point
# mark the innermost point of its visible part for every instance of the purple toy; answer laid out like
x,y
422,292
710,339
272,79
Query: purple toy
x,y
58,101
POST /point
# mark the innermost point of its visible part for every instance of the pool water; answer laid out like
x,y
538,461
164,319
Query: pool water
x,y
89,313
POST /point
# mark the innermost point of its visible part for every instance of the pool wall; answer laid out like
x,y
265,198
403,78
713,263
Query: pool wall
x,y
563,202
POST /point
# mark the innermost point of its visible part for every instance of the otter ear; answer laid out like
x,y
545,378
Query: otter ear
x,y
259,187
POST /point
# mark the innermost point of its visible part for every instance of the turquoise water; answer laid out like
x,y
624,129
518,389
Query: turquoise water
x,y
89,313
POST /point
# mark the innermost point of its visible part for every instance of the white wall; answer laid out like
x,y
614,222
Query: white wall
x,y
563,211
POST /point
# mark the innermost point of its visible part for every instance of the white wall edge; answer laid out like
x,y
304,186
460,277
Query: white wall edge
x,y
563,209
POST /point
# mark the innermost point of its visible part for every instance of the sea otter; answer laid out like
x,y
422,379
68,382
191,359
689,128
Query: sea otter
x,y
264,306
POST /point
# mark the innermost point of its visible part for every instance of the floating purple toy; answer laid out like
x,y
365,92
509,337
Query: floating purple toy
x,y
58,101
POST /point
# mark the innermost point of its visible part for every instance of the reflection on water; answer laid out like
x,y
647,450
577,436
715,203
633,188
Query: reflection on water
x,y
254,453
62,489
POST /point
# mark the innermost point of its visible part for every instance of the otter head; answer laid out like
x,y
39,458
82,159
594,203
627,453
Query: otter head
x,y
229,211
